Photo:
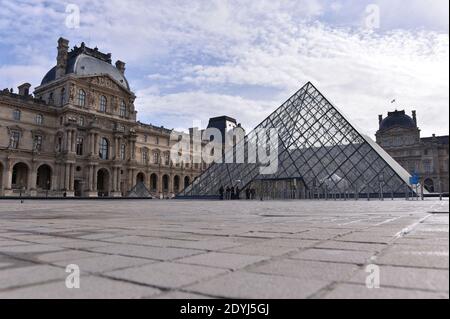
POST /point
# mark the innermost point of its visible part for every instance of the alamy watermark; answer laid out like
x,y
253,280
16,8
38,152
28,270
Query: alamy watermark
x,y
373,279
72,20
73,279
372,16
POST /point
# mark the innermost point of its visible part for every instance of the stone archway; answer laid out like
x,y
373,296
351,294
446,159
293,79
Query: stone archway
x,y
140,178
103,182
165,183
429,185
44,177
187,181
154,183
176,183
19,179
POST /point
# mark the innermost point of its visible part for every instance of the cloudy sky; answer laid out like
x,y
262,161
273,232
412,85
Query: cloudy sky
x,y
191,60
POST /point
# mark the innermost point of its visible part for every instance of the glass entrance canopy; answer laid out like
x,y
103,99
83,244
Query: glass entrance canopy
x,y
314,143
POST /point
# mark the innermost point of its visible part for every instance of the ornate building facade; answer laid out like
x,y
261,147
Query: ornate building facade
x,y
78,135
427,157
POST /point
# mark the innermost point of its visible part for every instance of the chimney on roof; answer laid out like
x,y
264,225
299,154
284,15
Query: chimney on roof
x,y
61,60
414,116
24,89
120,66
380,118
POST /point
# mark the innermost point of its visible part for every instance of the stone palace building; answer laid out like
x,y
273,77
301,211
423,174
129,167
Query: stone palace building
x,y
78,135
427,157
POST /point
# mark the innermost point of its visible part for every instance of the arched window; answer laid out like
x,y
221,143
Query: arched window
x,y
81,98
122,109
104,149
103,104
39,119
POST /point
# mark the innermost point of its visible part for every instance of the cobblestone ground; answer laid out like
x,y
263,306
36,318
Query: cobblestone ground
x,y
234,249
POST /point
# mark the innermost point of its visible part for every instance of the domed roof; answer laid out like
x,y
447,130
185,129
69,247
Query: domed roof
x,y
89,62
397,119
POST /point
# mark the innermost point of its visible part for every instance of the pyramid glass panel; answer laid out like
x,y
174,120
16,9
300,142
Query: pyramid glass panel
x,y
318,152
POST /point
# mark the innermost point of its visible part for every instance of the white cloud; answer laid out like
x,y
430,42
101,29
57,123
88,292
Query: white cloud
x,y
202,58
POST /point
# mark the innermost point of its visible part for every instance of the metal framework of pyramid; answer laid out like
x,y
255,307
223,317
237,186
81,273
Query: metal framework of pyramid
x,y
318,145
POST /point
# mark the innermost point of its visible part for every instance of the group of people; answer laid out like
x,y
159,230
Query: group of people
x,y
230,193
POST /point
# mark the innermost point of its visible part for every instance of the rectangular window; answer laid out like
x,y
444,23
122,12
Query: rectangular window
x,y
16,115
39,119
79,147
144,156
167,158
122,152
14,139
428,166
155,158
37,143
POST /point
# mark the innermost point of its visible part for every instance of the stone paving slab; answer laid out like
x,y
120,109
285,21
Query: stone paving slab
x,y
329,271
351,291
334,255
216,249
166,275
408,277
251,285
222,260
90,288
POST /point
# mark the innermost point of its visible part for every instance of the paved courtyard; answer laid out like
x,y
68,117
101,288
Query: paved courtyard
x,y
234,249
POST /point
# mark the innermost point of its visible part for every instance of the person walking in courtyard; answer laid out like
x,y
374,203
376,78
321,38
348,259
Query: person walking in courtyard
x,y
227,192
232,192
221,190
238,192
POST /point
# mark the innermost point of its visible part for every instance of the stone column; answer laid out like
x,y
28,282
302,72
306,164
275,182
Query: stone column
x,y
96,144
72,177
171,190
116,148
114,179
7,176
32,179
90,180
119,177
69,141
91,143
94,178
74,139
67,177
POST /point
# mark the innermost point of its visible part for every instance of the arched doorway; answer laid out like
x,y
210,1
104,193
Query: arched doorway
x,y
176,184
44,177
187,181
165,183
153,182
102,182
429,185
140,178
19,176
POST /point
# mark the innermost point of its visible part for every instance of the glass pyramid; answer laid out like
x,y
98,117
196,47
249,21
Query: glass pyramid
x,y
320,155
